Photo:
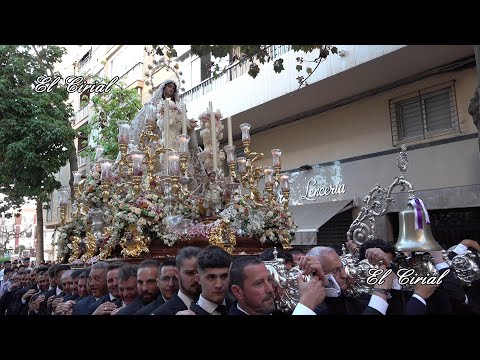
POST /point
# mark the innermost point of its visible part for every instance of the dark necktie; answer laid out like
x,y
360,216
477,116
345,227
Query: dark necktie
x,y
222,309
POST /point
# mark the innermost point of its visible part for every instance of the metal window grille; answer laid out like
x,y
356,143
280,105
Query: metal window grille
x,y
424,114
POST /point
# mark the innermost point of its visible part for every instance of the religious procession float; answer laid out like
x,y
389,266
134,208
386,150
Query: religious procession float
x,y
165,192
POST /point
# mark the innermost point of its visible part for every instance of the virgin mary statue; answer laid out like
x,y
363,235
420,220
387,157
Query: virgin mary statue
x,y
168,90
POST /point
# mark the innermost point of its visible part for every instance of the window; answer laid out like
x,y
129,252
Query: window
x,y
82,139
425,114
84,98
240,152
85,59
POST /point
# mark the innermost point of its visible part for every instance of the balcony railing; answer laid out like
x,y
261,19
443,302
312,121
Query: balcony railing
x,y
83,113
233,71
132,75
82,65
81,158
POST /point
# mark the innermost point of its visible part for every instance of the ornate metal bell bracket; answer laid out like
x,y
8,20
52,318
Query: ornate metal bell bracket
x,y
377,203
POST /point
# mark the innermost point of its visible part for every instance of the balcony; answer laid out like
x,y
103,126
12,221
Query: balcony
x,y
82,158
132,75
84,62
234,70
82,115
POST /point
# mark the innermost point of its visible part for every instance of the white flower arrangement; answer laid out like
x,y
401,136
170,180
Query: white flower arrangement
x,y
76,227
268,223
149,214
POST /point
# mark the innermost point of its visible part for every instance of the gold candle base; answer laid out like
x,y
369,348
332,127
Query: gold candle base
x,y
231,167
286,196
183,163
277,169
137,187
63,213
175,186
246,145
123,159
105,193
76,190
269,190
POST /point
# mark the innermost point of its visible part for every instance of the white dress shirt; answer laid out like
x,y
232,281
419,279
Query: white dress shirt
x,y
208,305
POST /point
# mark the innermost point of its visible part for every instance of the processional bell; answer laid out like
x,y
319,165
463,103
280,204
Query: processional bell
x,y
411,239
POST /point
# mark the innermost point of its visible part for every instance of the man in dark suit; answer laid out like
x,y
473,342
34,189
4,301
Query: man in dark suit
x,y
73,285
65,280
10,297
98,286
55,273
147,287
127,284
189,287
213,274
252,285
111,300
339,304
167,282
24,295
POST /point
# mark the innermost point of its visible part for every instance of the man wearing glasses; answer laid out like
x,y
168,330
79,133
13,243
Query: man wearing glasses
x,y
331,263
167,282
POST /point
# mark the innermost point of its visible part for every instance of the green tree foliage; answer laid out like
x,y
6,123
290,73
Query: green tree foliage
x,y
35,132
109,108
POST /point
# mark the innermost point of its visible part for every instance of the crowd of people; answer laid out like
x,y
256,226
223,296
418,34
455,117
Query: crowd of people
x,y
210,281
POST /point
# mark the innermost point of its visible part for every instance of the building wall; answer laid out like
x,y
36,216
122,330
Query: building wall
x,y
356,129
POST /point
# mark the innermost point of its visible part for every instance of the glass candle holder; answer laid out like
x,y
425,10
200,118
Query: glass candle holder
x,y
276,154
123,130
245,131
98,152
132,145
137,163
183,141
230,151
150,114
63,195
242,165
106,167
268,171
77,176
284,183
173,163
97,217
